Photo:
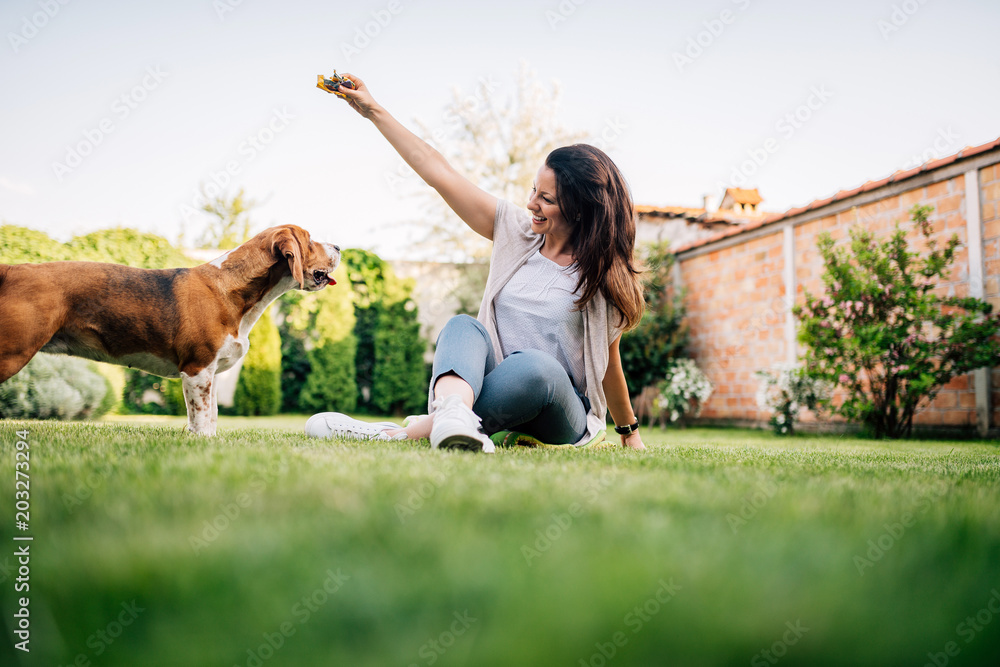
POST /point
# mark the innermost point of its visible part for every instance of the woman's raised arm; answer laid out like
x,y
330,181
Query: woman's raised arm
x,y
471,203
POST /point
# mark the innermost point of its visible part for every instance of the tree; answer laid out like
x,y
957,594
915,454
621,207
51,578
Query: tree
x,y
648,350
121,245
882,334
368,274
498,140
400,377
20,244
230,222
258,389
498,143
326,321
391,374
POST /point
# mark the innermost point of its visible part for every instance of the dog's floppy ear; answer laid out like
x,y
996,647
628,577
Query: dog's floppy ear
x,y
285,244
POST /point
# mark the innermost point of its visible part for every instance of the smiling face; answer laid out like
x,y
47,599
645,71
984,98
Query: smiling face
x,y
547,217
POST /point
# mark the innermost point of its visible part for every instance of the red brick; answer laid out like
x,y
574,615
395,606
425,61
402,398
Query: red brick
x,y
908,199
958,418
991,229
890,204
946,399
992,191
928,417
949,203
936,190
967,400
991,285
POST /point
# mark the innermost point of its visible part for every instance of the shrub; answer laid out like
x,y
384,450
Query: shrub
x,y
330,385
147,394
325,320
784,390
882,334
684,391
661,336
258,389
54,387
20,244
400,377
391,373
294,363
121,245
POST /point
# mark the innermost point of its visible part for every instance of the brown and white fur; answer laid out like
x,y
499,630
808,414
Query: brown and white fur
x,y
186,323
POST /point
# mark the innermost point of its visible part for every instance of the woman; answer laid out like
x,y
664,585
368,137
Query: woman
x,y
542,355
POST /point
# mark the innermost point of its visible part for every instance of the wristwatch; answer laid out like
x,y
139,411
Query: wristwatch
x,y
626,430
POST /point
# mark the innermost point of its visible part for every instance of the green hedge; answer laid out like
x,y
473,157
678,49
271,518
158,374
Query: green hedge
x,y
392,375
258,390
324,321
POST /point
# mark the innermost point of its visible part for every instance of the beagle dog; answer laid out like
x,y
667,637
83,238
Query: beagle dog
x,y
186,323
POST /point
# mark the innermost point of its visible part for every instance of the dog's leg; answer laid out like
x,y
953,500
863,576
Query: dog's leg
x,y
10,364
198,397
17,350
215,406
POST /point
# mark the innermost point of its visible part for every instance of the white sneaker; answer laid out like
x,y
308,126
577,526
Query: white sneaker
x,y
337,425
457,426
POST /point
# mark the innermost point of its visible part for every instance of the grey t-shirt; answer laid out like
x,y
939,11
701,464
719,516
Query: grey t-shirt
x,y
513,244
536,310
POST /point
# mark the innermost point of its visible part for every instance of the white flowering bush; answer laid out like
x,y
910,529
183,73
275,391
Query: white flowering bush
x,y
53,386
684,390
784,389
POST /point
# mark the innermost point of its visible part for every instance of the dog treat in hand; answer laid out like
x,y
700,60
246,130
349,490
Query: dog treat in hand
x,y
332,84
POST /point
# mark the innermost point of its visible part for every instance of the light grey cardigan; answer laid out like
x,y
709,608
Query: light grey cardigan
x,y
513,244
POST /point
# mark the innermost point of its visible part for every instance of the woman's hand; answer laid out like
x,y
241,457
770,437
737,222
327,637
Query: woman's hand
x,y
633,440
360,98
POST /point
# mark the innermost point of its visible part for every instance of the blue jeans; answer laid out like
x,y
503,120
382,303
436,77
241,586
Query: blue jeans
x,y
529,391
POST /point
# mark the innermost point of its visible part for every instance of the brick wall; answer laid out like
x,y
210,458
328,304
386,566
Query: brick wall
x,y
737,307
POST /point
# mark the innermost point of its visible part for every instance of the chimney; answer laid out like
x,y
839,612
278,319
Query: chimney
x,y
709,203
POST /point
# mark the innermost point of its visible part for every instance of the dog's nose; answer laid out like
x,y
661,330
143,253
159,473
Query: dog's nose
x,y
337,248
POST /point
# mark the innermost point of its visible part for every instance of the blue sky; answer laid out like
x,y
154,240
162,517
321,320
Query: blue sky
x,y
799,99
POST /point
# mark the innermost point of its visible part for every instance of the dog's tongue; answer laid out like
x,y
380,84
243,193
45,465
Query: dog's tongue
x,y
332,281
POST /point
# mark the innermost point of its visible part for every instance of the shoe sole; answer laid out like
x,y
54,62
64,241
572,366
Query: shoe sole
x,y
458,439
461,441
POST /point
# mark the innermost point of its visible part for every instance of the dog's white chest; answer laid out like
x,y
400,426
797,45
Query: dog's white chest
x,y
232,350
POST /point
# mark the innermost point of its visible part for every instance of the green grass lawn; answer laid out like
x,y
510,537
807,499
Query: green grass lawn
x,y
714,547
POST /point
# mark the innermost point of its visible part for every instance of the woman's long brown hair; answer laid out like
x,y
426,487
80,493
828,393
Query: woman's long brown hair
x,y
595,200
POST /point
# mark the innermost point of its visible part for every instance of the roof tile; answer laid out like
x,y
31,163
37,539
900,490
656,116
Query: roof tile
x,y
868,186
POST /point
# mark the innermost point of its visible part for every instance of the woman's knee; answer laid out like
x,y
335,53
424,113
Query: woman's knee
x,y
465,321
535,368
462,323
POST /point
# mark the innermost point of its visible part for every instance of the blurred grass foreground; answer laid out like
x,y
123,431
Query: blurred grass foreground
x,y
714,547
